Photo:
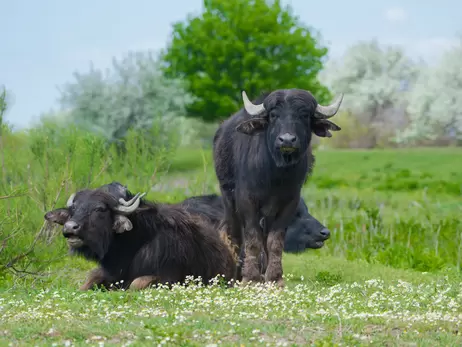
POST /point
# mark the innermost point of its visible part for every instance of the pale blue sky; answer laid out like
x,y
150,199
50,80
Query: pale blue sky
x,y
45,41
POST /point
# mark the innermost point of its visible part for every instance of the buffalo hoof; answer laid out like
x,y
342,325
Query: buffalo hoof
x,y
85,287
280,283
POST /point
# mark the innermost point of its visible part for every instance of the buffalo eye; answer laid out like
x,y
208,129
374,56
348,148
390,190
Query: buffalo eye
x,y
100,209
273,115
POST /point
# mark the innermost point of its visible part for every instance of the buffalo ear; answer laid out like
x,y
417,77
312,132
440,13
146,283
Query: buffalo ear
x,y
121,224
252,126
321,127
58,216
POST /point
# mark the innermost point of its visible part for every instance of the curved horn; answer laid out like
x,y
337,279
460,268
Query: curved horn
x,y
129,202
70,201
124,208
324,112
253,110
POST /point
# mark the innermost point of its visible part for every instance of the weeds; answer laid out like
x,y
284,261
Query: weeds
x,y
392,215
400,208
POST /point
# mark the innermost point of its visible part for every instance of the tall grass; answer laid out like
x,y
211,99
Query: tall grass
x,y
43,166
400,208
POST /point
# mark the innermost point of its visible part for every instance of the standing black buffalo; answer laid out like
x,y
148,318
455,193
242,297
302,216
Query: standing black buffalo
x,y
304,231
139,243
262,157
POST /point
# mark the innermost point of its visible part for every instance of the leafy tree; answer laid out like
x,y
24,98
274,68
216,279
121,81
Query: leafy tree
x,y
236,45
134,95
435,104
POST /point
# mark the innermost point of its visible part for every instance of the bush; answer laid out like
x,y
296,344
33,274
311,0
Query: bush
x,y
353,133
236,45
134,94
44,165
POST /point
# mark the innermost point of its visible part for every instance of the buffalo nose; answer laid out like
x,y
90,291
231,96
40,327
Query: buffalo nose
x,y
287,139
325,233
70,228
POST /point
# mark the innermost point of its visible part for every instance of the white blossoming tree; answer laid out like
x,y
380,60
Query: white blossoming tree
x,y
375,80
435,104
133,95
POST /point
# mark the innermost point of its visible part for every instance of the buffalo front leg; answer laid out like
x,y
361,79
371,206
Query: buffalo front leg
x,y
143,282
275,244
95,277
253,246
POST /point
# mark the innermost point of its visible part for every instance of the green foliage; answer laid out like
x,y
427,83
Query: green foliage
x,y
134,95
43,165
389,211
327,278
2,104
5,101
318,307
395,207
354,134
239,45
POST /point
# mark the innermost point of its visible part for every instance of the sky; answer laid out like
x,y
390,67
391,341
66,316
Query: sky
x,y
45,41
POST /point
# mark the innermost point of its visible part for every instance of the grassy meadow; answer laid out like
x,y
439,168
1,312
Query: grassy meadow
x,y
389,275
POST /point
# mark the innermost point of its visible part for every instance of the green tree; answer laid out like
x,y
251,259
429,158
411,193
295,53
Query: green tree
x,y
236,45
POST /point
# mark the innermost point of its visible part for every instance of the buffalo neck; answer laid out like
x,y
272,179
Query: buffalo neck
x,y
125,246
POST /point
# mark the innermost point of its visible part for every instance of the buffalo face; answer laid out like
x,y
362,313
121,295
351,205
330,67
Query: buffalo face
x,y
305,231
90,220
289,117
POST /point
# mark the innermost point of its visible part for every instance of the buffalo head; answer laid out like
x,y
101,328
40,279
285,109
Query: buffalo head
x,y
90,219
289,117
305,231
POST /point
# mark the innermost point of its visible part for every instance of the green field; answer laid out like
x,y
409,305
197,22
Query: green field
x,y
389,275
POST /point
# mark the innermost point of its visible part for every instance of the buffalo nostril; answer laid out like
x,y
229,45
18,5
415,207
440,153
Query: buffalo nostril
x,y
70,228
287,138
325,232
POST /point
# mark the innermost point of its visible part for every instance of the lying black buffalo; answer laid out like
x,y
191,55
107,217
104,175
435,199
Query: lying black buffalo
x,y
303,232
138,243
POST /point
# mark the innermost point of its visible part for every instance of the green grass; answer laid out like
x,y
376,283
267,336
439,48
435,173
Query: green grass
x,y
327,301
389,275
396,207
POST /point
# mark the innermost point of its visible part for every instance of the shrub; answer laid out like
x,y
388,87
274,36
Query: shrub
x,y
44,165
133,95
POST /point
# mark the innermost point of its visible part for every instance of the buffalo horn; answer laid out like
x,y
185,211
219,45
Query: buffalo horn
x,y
324,112
70,201
127,207
129,202
251,109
